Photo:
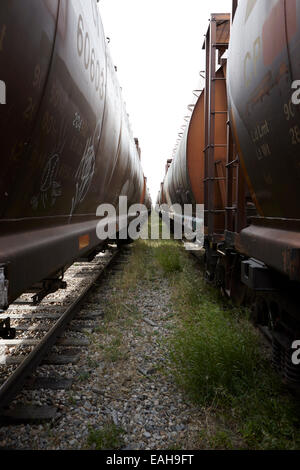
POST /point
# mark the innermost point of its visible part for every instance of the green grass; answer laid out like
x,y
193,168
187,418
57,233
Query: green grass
x,y
84,376
110,437
215,354
114,354
221,439
217,357
168,258
92,363
72,400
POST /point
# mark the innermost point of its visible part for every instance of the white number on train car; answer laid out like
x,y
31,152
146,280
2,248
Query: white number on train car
x,y
91,62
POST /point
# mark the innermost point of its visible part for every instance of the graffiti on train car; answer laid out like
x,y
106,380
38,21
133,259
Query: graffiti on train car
x,y
84,174
2,92
86,169
50,186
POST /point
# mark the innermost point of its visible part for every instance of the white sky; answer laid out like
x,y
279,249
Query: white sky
x,y
157,47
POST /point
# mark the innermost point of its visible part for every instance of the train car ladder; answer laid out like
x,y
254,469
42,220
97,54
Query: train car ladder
x,y
216,41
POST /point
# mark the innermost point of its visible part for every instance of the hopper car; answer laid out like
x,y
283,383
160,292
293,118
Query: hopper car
x,y
239,156
66,142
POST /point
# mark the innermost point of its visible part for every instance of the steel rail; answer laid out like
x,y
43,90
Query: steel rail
x,y
14,384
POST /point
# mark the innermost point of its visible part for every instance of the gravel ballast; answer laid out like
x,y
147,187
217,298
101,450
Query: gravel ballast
x,y
120,379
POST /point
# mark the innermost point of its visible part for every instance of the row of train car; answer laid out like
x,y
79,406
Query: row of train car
x,y
66,142
239,156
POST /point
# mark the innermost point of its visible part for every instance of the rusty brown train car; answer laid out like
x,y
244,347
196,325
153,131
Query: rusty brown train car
x,y
66,143
240,157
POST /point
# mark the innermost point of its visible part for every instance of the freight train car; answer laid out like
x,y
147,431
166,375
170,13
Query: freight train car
x,y
66,143
262,67
247,169
190,179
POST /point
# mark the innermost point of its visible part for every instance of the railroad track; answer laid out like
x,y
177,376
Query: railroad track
x,y
41,327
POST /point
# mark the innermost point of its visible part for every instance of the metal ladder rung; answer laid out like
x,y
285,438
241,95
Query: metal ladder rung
x,y
232,163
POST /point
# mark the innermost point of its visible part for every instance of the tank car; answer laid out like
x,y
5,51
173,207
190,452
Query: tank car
x,y
66,144
263,63
189,179
262,66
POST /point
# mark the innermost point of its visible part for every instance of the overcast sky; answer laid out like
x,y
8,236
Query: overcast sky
x,y
157,48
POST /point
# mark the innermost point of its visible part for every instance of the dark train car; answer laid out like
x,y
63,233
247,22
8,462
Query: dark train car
x,y
263,63
66,144
248,171
262,66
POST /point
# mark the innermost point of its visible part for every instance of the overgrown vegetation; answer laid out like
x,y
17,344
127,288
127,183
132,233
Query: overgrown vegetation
x,y
168,258
217,356
110,437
